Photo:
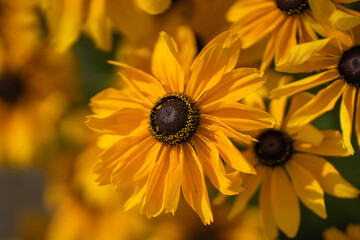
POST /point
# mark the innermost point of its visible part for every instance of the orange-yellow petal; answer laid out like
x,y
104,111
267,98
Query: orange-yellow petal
x,y
325,173
307,188
154,6
285,203
347,114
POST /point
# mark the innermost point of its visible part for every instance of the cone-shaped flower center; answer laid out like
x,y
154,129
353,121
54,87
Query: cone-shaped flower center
x,y
349,66
11,88
174,119
274,148
291,7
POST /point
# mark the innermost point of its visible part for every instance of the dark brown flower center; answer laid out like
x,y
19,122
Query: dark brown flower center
x,y
349,66
174,119
274,148
11,88
291,7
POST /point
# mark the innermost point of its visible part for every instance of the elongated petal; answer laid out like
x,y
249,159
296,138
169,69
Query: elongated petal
x,y
285,204
322,9
144,83
331,145
226,183
286,39
110,100
269,52
186,41
307,188
324,101
343,20
121,122
239,116
154,6
174,179
347,114
155,193
304,84
194,187
266,209
325,173
165,64
334,234
229,153
234,86
357,120
251,184
310,134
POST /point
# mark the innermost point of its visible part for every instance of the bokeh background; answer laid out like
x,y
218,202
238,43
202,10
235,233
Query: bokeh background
x,y
53,195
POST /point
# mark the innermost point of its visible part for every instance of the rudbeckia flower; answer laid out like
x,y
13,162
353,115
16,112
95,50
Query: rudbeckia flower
x,y
287,23
176,124
352,232
339,63
31,102
290,166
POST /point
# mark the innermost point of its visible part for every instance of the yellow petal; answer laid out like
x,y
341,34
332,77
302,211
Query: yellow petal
x,y
110,100
347,114
310,134
194,187
234,86
154,200
329,178
226,183
296,103
121,122
322,9
269,52
304,84
334,234
343,20
174,179
186,41
357,119
307,188
324,101
266,209
165,64
240,116
286,39
98,25
144,83
331,145
285,204
277,107
229,153
251,184
154,6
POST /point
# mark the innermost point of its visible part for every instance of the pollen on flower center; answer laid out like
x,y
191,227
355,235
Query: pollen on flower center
x,y
349,66
174,119
11,88
291,7
274,148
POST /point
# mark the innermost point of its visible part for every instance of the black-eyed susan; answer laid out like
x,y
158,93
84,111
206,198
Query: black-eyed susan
x,y
352,232
287,23
289,167
339,63
32,99
175,126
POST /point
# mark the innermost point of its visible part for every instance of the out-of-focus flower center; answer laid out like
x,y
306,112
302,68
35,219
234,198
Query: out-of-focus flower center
x,y
174,119
274,148
11,88
349,66
291,7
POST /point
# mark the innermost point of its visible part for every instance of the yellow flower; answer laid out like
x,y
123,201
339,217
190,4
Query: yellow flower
x,y
31,102
175,125
288,166
340,64
352,233
286,22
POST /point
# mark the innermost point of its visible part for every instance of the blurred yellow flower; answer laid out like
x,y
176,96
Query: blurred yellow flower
x,y
287,22
177,125
31,101
287,163
352,232
339,63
